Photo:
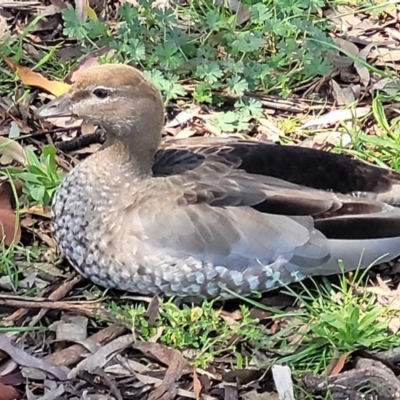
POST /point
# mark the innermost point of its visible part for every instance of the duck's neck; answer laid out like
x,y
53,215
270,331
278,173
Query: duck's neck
x,y
133,151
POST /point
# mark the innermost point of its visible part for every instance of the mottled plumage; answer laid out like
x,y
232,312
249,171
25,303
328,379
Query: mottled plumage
x,y
200,214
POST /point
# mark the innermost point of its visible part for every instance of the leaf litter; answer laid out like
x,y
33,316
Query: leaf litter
x,y
107,359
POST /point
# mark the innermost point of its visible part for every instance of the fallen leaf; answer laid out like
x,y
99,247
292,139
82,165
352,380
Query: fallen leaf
x,y
394,325
11,377
31,78
283,381
149,380
254,395
269,130
340,95
53,394
87,128
382,56
70,328
161,4
10,229
390,86
197,386
152,311
338,115
339,364
321,139
340,59
90,12
26,360
40,210
361,68
177,366
102,355
298,338
4,31
10,151
8,393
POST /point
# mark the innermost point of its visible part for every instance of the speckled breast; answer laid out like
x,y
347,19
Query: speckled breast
x,y
79,224
69,222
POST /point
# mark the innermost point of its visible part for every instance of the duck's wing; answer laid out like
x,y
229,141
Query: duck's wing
x,y
336,215
303,166
215,215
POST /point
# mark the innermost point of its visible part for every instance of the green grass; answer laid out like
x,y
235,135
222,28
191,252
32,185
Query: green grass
x,y
332,318
40,177
200,329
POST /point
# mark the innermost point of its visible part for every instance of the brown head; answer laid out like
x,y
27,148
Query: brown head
x,y
121,100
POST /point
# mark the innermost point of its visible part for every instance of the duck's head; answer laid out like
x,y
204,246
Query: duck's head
x,y
117,97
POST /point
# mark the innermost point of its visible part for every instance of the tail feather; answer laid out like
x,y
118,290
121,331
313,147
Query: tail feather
x,y
359,254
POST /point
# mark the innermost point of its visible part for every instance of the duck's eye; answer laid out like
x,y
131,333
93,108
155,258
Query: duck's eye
x,y
100,93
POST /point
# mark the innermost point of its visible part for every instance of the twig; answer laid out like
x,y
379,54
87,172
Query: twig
x,y
73,354
58,294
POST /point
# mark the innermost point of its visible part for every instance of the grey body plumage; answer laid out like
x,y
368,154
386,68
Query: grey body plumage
x,y
211,213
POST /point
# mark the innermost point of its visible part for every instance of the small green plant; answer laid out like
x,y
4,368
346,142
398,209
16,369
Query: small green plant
x,y
41,177
11,259
200,329
281,43
332,318
382,146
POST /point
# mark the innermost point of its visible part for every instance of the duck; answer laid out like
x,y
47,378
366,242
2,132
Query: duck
x,y
206,218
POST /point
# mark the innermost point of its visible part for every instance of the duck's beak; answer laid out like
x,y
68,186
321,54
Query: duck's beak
x,y
59,107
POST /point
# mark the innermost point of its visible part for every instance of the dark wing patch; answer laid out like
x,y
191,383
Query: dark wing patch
x,y
303,166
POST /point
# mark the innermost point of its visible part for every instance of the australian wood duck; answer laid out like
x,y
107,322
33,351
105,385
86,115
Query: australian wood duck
x,y
190,217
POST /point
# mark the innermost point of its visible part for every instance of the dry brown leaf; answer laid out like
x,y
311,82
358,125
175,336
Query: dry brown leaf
x,y
102,355
8,393
254,395
394,325
163,353
390,86
10,151
26,360
385,56
177,366
31,78
243,376
340,364
197,386
152,311
321,139
40,210
343,17
70,328
10,229
298,338
340,59
361,69
341,97
4,30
